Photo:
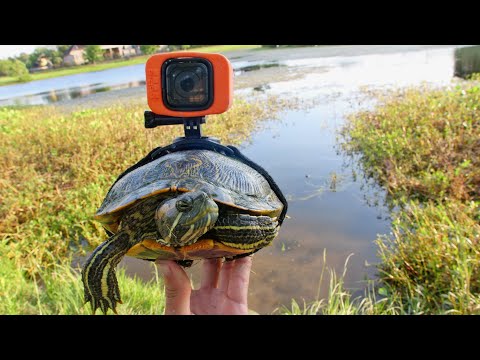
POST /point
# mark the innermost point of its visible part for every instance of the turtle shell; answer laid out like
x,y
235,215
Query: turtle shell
x,y
227,180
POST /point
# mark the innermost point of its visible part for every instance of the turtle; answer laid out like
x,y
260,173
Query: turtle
x,y
184,206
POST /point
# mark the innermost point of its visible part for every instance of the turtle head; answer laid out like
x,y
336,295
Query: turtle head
x,y
183,219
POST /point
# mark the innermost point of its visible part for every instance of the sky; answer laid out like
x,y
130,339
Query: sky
x,y
13,50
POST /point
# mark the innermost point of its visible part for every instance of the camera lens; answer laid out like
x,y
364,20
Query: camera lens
x,y
188,84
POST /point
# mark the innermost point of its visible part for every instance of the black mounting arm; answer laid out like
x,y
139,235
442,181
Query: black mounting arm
x,y
191,126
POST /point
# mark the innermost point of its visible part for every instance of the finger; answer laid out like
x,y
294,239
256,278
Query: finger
x,y
238,285
211,270
177,288
224,277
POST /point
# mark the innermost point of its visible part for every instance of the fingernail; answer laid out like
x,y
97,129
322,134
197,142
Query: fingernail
x,y
163,267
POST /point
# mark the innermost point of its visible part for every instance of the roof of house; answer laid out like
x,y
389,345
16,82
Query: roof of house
x,y
74,48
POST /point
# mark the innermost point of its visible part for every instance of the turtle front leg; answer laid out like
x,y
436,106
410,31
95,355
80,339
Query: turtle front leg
x,y
98,274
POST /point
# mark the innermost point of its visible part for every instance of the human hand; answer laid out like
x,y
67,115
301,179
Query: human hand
x,y
223,289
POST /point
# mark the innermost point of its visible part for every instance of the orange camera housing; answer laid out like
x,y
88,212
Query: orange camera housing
x,y
222,91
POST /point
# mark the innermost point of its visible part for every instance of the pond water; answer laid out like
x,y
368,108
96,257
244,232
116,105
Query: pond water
x,y
69,87
331,207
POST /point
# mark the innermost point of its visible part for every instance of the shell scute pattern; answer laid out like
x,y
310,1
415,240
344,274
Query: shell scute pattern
x,y
227,180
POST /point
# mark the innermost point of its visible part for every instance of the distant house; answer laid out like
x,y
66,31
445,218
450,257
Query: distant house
x,y
74,55
42,63
118,51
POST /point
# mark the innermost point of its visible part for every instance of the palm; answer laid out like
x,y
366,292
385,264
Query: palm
x,y
215,302
223,290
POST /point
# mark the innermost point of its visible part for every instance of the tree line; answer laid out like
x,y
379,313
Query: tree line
x,y
20,66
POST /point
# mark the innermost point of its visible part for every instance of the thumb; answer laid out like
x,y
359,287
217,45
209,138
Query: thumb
x,y
177,288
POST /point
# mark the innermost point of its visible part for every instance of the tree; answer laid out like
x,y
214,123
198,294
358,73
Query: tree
x,y
4,67
39,53
62,49
18,69
148,49
93,53
57,61
23,57
179,47
14,68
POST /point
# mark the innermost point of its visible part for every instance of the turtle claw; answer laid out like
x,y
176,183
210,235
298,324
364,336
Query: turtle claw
x,y
98,299
104,304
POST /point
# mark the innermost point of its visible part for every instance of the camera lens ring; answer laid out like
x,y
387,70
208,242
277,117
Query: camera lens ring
x,y
200,97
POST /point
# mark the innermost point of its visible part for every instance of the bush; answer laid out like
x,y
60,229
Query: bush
x,y
13,68
57,61
179,47
25,78
93,53
148,49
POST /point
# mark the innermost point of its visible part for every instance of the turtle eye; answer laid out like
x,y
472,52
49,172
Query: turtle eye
x,y
184,204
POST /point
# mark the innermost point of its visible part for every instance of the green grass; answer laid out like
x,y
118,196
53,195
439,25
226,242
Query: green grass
x,y
423,146
56,168
339,300
6,80
60,291
431,262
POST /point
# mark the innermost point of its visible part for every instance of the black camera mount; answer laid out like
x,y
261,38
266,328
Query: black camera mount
x,y
191,126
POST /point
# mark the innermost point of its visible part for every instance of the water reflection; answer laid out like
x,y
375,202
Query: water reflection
x,y
34,91
54,96
262,88
467,61
263,65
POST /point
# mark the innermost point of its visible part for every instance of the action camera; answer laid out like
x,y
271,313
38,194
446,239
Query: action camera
x,y
189,84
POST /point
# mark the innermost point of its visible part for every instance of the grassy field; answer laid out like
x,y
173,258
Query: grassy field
x,y
6,80
56,171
